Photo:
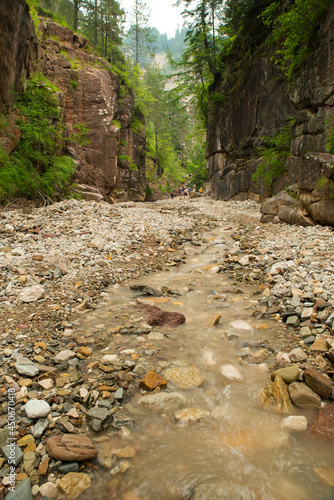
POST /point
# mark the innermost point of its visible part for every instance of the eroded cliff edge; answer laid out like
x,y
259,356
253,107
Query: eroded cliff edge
x,y
254,104
90,93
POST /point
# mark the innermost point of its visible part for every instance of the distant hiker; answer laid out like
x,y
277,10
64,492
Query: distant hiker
x,y
186,192
200,190
194,187
172,194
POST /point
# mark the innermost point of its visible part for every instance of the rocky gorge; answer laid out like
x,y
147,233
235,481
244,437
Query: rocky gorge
x,y
251,101
88,93
85,356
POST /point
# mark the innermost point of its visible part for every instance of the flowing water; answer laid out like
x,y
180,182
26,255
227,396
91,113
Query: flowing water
x,y
237,450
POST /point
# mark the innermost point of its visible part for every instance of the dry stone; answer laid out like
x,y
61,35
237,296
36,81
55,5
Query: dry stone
x,y
303,396
318,382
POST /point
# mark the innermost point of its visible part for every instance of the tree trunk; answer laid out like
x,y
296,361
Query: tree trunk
x,y
95,24
75,14
159,169
110,32
137,33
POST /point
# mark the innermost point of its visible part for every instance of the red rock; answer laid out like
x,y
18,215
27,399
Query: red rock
x,y
158,317
318,383
71,448
152,380
323,425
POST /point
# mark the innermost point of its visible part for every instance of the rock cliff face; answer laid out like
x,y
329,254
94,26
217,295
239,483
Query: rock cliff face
x,y
89,94
257,106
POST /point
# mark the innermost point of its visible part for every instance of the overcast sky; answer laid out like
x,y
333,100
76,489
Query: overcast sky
x,y
164,16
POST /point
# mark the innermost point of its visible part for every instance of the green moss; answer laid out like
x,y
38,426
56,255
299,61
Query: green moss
x,y
273,156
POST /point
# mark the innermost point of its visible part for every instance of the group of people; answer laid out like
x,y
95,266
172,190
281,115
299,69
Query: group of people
x,y
185,190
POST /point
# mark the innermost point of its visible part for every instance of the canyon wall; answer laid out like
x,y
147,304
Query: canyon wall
x,y
255,103
89,93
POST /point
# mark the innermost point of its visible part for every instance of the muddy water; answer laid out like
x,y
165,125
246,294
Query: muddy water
x,y
237,451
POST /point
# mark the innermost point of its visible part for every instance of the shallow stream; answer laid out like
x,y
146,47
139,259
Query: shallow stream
x,y
236,450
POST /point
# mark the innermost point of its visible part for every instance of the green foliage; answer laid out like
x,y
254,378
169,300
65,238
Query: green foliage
x,y
73,84
136,125
37,165
294,30
133,167
273,156
327,185
330,131
149,191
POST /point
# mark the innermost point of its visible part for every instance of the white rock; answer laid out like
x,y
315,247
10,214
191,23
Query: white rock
x,y
294,423
31,294
231,373
37,408
214,270
83,392
244,261
240,324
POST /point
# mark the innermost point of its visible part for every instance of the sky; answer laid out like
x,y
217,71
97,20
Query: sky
x,y
164,16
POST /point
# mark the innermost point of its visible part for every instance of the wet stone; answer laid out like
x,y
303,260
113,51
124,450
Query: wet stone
x,y
323,425
275,396
152,380
295,423
184,377
190,415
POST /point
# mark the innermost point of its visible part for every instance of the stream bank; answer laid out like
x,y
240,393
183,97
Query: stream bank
x,y
238,284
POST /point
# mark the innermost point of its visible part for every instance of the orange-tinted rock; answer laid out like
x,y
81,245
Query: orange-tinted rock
x,y
323,425
43,467
275,396
71,448
152,380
